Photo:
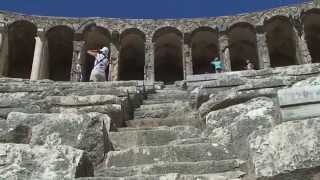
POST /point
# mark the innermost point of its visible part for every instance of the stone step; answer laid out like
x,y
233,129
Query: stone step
x,y
157,106
168,153
231,175
151,113
151,137
171,91
201,167
168,121
157,101
159,96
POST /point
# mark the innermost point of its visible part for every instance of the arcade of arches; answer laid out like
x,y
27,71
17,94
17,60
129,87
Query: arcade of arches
x,y
25,51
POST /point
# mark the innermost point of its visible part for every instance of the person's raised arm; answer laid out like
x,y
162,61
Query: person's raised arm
x,y
92,52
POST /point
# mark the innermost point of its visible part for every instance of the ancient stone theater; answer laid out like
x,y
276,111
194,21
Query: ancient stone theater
x,y
163,114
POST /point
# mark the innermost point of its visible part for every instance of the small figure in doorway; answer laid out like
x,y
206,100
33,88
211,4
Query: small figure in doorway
x,y
216,65
249,65
101,62
78,72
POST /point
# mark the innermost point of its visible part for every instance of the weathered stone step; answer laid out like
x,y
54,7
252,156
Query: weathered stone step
x,y
168,153
178,96
232,175
201,167
168,121
156,106
158,101
152,137
151,113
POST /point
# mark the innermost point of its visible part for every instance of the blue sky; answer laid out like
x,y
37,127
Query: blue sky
x,y
140,8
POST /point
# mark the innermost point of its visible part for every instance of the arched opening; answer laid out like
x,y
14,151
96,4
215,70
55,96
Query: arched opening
x,y
281,42
60,49
243,46
95,37
132,55
168,55
21,49
204,43
312,33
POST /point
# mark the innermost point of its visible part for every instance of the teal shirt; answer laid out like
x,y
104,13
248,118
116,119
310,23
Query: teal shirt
x,y
217,64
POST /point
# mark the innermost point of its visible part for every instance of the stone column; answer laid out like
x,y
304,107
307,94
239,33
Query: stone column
x,y
263,51
114,63
4,53
302,50
187,61
149,60
76,67
224,52
40,60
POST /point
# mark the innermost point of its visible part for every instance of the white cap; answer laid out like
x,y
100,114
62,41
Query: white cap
x,y
104,50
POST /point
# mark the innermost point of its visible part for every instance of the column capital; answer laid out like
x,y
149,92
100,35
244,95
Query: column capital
x,y
41,33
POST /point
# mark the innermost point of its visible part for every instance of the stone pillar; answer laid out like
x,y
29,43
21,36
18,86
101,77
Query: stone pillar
x,y
4,53
76,67
302,50
263,51
224,52
187,61
149,72
114,63
40,58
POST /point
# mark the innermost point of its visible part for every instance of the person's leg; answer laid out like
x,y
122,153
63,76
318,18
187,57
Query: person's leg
x,y
100,77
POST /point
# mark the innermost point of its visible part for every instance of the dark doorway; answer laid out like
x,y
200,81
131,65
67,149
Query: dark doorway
x,y
312,33
21,49
281,42
132,55
95,38
168,55
60,44
204,49
243,46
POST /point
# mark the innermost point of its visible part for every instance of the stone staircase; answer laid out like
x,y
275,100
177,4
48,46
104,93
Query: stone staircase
x,y
155,145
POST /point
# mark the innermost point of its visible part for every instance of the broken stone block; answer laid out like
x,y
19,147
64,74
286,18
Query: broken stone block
x,y
290,151
23,161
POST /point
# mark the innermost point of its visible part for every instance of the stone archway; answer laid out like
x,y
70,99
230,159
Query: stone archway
x,y
243,46
95,37
21,43
60,49
168,55
312,33
204,44
281,41
132,55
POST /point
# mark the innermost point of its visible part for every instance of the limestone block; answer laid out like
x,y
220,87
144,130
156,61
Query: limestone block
x,y
169,153
22,161
299,95
232,97
313,81
232,125
289,152
84,131
299,102
115,111
83,100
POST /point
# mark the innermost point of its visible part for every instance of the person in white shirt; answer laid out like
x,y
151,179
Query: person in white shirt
x,y
101,62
